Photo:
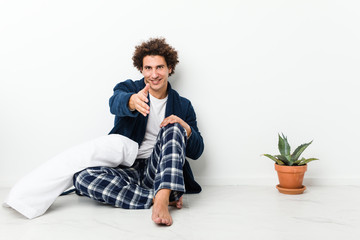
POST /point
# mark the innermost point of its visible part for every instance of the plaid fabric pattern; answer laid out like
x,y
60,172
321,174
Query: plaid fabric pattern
x,y
135,187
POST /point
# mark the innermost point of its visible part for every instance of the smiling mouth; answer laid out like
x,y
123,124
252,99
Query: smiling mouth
x,y
156,81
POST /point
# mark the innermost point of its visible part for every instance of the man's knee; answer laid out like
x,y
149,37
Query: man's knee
x,y
175,127
80,177
76,177
173,134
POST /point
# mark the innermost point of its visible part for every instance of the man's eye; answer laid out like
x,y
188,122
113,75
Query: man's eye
x,y
160,66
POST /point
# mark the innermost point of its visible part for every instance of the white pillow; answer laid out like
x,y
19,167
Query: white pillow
x,y
35,192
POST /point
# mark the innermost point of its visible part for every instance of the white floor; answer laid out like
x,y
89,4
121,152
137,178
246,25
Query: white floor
x,y
230,212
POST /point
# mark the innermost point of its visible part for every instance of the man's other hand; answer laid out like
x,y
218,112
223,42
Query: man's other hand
x,y
175,119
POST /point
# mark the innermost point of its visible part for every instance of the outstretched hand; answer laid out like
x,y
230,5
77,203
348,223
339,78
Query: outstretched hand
x,y
139,101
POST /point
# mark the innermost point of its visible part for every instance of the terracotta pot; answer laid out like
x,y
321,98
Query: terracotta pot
x,y
291,178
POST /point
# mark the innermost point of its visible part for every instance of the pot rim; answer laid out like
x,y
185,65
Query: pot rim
x,y
292,169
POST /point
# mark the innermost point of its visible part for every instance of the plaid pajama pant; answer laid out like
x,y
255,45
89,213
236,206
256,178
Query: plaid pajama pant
x,y
135,187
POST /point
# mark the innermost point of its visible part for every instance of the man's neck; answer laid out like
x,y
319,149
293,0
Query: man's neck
x,y
159,94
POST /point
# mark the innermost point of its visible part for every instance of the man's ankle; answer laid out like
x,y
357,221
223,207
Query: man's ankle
x,y
162,194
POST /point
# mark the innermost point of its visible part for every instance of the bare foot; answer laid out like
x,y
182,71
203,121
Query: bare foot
x,y
160,209
178,204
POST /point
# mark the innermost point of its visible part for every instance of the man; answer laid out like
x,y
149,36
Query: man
x,y
164,125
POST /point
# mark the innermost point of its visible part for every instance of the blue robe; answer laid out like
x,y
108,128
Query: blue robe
x,y
132,124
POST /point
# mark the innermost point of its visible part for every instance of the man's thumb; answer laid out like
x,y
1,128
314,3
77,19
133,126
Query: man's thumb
x,y
146,89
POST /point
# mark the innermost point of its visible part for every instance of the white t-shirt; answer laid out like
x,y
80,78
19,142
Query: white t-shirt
x,y
155,118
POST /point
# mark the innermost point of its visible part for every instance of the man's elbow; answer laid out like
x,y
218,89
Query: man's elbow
x,y
196,152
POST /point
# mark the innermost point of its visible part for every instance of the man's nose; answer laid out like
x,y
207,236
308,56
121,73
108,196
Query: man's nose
x,y
154,74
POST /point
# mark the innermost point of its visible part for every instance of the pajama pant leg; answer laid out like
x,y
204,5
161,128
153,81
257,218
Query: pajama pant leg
x,y
135,187
165,165
119,187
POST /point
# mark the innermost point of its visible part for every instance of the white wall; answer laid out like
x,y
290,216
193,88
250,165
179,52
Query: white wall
x,y
251,68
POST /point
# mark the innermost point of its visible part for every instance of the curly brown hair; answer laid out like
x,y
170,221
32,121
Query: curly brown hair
x,y
152,47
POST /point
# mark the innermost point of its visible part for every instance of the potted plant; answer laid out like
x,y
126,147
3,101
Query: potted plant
x,y
290,167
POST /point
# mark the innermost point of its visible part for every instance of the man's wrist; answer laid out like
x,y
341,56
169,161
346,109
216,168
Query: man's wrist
x,y
189,132
130,105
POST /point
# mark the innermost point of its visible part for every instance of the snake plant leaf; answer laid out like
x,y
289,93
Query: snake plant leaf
x,y
299,150
284,148
274,159
283,159
297,163
306,161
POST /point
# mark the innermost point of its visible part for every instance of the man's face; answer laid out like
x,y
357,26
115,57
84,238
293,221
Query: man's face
x,y
156,73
